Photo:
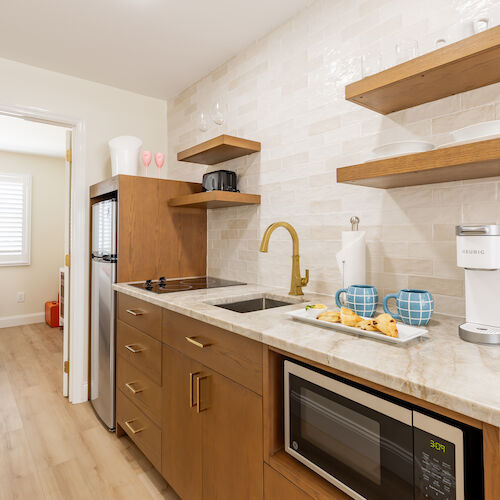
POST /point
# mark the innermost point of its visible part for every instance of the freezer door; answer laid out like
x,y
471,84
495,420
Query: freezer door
x,y
102,355
104,228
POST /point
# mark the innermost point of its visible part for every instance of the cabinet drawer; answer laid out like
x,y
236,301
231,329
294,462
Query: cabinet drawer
x,y
230,354
277,486
143,432
139,349
139,388
140,314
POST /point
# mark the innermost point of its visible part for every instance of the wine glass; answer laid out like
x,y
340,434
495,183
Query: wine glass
x,y
203,122
218,111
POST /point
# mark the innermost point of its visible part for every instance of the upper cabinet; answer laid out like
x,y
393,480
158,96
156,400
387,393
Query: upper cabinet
x,y
218,150
459,67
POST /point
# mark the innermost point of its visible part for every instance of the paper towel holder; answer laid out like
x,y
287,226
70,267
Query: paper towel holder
x,y
354,220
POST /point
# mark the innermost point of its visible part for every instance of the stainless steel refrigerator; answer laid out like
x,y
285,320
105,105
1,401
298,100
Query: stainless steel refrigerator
x,y
102,330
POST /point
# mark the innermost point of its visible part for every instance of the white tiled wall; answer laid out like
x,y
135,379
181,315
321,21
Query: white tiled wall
x,y
287,91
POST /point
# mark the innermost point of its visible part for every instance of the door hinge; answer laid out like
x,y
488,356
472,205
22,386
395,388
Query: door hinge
x,y
68,155
66,367
67,260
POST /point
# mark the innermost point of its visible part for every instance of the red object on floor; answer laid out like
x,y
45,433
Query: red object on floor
x,y
52,314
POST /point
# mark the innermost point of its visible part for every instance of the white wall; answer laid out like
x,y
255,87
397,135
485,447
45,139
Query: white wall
x,y
39,280
287,91
106,112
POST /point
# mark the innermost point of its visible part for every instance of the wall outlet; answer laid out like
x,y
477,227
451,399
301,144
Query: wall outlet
x,y
20,296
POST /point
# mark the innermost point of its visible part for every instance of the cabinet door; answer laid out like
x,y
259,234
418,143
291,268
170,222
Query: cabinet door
x,y
232,439
181,436
276,486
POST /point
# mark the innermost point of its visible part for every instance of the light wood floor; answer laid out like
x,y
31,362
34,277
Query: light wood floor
x,y
50,449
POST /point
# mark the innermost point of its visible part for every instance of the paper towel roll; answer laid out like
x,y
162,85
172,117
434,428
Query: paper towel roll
x,y
352,258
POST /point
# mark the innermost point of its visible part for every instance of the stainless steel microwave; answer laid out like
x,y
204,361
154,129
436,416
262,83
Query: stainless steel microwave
x,y
375,447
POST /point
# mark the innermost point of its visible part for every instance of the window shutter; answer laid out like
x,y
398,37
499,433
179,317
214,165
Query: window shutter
x,y
15,216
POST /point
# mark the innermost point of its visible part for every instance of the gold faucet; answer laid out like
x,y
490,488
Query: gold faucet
x,y
297,281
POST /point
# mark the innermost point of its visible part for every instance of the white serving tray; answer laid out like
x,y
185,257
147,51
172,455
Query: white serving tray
x,y
405,332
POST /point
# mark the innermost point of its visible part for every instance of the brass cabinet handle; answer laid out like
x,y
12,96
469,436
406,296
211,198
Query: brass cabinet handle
x,y
132,430
199,409
192,403
134,312
135,348
131,388
195,342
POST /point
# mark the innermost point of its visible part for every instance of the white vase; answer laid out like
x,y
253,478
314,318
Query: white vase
x,y
124,152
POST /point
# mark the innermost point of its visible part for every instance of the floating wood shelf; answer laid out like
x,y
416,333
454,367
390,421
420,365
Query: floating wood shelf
x,y
215,199
219,149
461,66
468,161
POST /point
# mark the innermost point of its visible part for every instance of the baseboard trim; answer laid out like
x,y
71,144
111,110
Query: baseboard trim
x,y
22,319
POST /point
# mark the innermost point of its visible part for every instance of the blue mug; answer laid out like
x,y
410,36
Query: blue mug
x,y
362,299
415,307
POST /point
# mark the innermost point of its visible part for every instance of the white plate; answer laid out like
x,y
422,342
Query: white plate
x,y
477,130
405,332
402,148
469,141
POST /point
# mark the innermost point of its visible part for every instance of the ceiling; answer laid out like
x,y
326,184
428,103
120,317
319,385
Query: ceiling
x,y
152,47
21,136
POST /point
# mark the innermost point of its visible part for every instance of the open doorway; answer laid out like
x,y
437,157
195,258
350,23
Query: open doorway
x,y
77,316
35,177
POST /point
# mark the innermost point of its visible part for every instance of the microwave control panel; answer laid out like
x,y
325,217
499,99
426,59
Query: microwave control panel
x,y
434,467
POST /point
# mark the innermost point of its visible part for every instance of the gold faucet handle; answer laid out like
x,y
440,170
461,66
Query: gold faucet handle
x,y
305,281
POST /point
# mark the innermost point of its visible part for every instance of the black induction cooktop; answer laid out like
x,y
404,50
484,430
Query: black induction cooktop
x,y
164,285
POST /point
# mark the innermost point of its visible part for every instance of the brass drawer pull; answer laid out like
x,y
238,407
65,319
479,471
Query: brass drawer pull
x,y
199,409
135,348
195,342
134,312
192,403
132,389
132,430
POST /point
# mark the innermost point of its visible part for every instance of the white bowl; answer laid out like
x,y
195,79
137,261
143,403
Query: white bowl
x,y
314,313
402,148
477,130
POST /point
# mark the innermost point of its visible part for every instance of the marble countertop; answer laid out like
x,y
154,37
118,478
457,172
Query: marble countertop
x,y
439,368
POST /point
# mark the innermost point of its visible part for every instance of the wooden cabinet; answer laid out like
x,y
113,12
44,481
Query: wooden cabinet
x,y
139,375
182,431
139,388
155,239
231,418
203,417
212,432
276,486
234,356
139,314
139,349
143,432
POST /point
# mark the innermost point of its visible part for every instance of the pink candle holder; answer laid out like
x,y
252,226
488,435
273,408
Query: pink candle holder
x,y
146,160
159,160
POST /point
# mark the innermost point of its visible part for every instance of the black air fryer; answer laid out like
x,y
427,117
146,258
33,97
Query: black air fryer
x,y
220,180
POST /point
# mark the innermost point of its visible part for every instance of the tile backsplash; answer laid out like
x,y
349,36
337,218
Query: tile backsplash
x,y
287,91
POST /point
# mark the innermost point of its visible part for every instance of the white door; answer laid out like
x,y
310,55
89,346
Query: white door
x,y
67,265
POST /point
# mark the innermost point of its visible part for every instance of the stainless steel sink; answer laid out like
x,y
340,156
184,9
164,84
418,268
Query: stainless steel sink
x,y
251,305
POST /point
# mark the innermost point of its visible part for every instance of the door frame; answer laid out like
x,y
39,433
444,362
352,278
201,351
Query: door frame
x,y
79,246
